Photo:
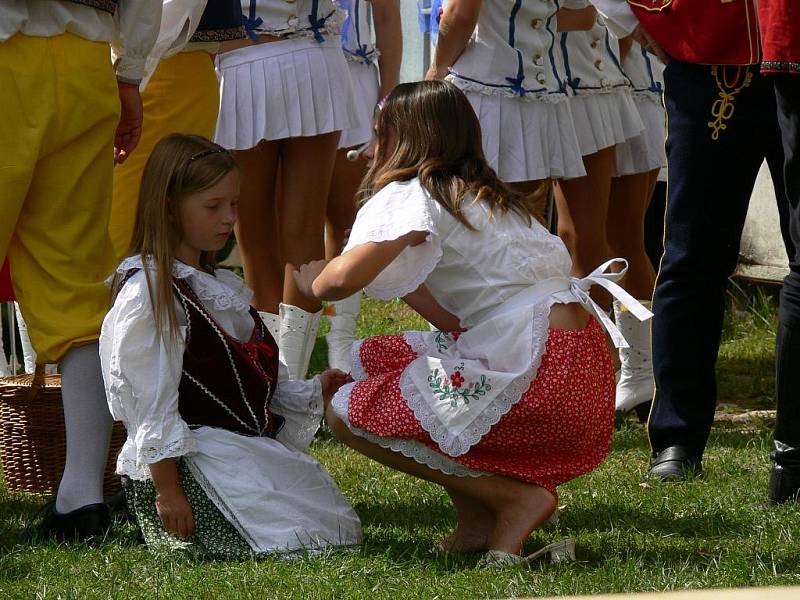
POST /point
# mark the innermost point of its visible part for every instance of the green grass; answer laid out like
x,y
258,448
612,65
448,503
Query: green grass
x,y
631,535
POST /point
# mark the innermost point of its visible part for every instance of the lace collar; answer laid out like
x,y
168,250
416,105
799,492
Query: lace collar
x,y
224,289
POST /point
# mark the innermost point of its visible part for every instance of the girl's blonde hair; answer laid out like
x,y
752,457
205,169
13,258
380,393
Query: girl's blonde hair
x,y
428,129
179,166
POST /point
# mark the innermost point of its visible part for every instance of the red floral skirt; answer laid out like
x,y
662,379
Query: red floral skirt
x,y
560,429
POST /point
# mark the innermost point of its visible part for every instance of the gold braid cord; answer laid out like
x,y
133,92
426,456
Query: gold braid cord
x,y
723,108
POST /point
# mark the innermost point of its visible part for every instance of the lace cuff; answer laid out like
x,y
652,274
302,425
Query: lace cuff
x,y
149,454
406,272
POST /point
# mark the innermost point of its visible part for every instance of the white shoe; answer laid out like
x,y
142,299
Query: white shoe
x,y
635,385
342,316
298,332
273,324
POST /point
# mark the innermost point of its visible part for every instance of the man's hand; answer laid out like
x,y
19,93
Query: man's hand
x,y
129,129
644,39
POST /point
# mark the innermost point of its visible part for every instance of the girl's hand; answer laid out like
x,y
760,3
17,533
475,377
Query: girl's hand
x,y
304,278
175,512
332,380
435,73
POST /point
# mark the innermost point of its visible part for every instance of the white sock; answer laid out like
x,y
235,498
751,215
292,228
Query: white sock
x,y
88,424
28,353
5,367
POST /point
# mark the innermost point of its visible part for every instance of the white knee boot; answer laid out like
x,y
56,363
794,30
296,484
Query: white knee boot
x,y
298,332
273,324
342,316
635,385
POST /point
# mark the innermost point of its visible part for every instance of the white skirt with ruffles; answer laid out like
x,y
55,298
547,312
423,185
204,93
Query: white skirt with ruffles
x,y
289,88
646,151
366,87
527,140
604,119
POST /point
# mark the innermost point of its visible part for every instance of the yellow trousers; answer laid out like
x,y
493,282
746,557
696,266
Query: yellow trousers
x,y
181,97
59,109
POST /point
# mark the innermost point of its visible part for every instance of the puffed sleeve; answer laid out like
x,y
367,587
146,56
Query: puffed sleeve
x,y
142,372
397,209
619,17
300,403
137,26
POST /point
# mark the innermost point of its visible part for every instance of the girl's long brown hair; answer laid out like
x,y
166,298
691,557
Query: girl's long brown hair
x,y
179,166
428,129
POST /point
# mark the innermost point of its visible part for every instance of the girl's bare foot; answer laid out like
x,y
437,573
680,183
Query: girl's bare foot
x,y
520,513
472,537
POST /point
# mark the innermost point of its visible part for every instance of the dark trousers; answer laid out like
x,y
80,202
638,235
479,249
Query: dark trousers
x,y
710,183
787,350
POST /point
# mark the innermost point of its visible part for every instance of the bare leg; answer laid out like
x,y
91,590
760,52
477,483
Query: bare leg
x,y
306,170
630,197
582,212
475,524
518,508
257,226
341,210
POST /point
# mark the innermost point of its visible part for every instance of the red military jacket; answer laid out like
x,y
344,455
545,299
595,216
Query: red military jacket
x,y
780,35
712,32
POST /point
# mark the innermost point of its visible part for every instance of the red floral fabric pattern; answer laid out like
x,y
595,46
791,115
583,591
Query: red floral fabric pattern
x,y
560,429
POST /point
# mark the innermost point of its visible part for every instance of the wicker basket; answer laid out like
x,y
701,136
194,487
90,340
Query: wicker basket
x,y
32,436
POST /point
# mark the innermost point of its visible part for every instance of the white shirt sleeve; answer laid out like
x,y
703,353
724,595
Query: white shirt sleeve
x,y
137,26
299,402
618,15
398,209
142,371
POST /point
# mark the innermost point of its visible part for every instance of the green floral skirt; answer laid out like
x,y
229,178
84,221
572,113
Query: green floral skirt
x,y
213,537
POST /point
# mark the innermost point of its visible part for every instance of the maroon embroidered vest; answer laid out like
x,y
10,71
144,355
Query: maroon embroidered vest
x,y
225,383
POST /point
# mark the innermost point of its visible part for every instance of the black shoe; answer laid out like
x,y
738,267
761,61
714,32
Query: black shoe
x,y
90,522
675,463
784,485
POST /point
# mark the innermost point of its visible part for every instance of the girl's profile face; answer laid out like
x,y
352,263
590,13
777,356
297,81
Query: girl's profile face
x,y
207,218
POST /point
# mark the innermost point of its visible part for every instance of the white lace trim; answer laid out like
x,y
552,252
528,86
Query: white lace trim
x,y
421,453
457,445
473,86
357,371
134,463
410,285
647,96
225,290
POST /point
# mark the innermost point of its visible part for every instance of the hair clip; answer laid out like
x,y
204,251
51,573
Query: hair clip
x,y
205,153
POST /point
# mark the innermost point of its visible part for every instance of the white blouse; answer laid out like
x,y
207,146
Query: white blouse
x,y
512,52
279,498
500,281
131,31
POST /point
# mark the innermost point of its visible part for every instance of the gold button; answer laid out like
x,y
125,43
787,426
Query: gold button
x,y
595,43
538,60
599,65
537,23
541,77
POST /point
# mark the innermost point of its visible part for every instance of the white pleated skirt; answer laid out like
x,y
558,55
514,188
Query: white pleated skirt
x,y
604,119
646,151
366,88
527,140
289,88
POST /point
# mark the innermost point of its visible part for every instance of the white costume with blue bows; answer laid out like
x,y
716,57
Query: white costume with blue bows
x,y
602,104
513,74
362,56
294,87
646,151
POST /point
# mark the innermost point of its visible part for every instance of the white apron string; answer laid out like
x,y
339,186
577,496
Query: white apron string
x,y
579,287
